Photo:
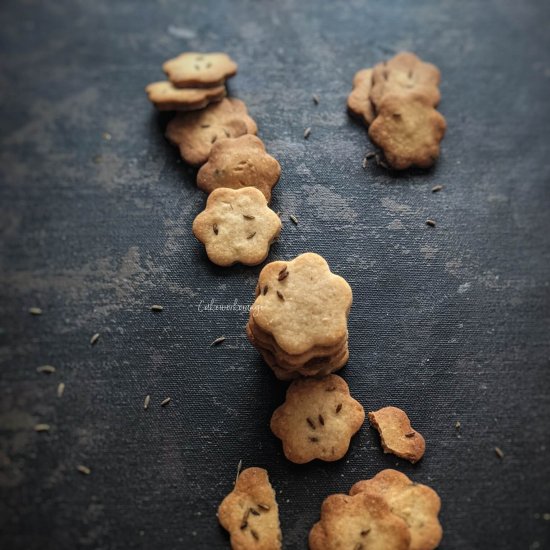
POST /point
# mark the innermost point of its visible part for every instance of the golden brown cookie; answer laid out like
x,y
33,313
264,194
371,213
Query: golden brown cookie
x,y
317,420
360,522
302,304
250,513
237,163
402,75
359,102
408,131
199,70
237,226
418,505
166,97
397,435
196,132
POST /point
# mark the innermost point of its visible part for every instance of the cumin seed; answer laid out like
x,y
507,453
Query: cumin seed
x,y
42,428
431,223
358,546
35,311
315,99
60,389
365,532
321,420
156,307
249,217
94,339
437,188
499,452
338,408
264,507
218,341
384,164
146,402
307,133
457,425
280,294
84,469
410,434
250,236
46,369
239,467
310,422
314,439
332,388
205,125
165,402
215,228
264,291
294,219
254,534
254,512
370,155
364,163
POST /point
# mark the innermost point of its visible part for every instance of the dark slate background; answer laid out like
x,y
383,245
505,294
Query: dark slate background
x,y
451,323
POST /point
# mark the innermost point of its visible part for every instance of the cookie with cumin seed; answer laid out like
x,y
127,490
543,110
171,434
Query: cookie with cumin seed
x,y
166,97
199,70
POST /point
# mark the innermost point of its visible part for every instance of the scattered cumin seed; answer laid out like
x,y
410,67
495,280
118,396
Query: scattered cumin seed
x,y
384,164
264,507
321,420
254,512
310,422
60,389
165,402
156,308
94,339
410,434
35,311
213,140
239,467
283,274
499,452
146,402
106,136
437,188
431,223
254,534
315,99
218,341
338,408
458,425
293,219
249,217
264,291
307,133
84,469
250,236
370,155
215,228
46,369
314,439
280,294
244,525
364,163
42,428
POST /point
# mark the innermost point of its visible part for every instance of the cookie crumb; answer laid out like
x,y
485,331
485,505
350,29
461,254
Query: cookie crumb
x,y
307,133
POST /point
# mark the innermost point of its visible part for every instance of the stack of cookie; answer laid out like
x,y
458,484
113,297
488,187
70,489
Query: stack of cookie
x,y
397,100
299,319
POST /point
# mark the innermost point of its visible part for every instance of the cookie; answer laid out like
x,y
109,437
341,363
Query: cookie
x,y
360,522
302,304
359,102
237,163
402,75
166,97
408,131
250,513
237,226
397,435
317,420
418,505
196,132
199,70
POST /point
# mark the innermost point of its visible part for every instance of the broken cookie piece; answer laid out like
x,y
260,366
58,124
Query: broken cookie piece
x,y
396,434
250,513
418,505
317,420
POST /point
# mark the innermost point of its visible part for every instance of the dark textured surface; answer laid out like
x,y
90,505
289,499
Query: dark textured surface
x,y
451,323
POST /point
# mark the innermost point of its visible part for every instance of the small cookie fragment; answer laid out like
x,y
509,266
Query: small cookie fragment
x,y
196,132
200,70
418,505
237,163
317,420
237,226
359,102
250,513
360,522
397,435
166,97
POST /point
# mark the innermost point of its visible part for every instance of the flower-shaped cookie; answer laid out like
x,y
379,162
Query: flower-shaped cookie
x,y
359,522
408,130
166,97
397,435
418,505
237,163
199,70
250,513
237,226
302,304
196,132
359,102
317,420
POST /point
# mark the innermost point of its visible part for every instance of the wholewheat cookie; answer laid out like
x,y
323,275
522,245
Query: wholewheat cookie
x,y
250,513
166,97
317,420
237,226
408,131
237,163
360,522
396,434
418,505
404,74
302,304
196,132
359,102
199,70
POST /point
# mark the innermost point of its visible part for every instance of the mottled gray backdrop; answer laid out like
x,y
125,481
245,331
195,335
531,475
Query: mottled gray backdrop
x,y
451,323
